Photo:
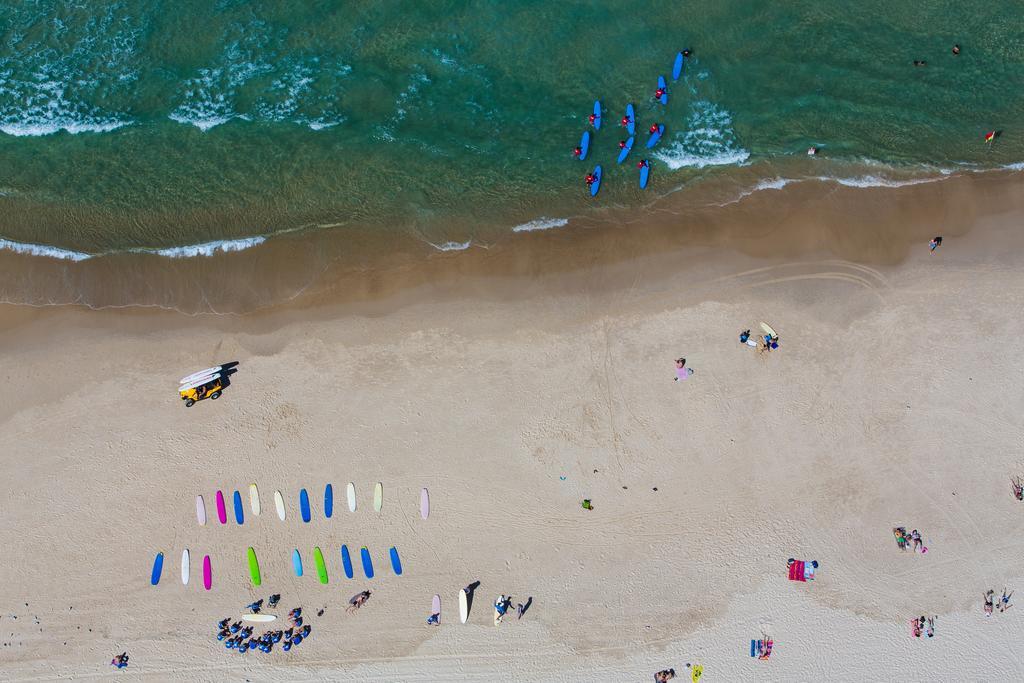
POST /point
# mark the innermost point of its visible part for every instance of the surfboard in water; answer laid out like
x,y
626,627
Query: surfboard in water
x,y
279,505
207,572
396,562
254,568
663,86
321,567
158,567
424,503
185,564
200,511
597,114
222,512
297,562
350,492
346,561
378,497
584,145
254,499
596,185
655,136
239,512
645,172
677,66
304,505
367,562
328,501
624,152
631,115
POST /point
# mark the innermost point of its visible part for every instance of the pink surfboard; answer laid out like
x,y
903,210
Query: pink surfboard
x,y
424,503
207,573
222,512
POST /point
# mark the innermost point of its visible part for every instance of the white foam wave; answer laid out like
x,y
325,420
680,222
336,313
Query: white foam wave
x,y
72,126
207,248
43,250
879,181
452,246
542,223
1017,166
709,140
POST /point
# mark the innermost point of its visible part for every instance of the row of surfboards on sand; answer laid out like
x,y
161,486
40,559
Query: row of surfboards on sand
x,y
305,509
629,121
256,576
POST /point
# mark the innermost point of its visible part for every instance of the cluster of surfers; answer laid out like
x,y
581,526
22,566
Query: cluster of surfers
x,y
240,638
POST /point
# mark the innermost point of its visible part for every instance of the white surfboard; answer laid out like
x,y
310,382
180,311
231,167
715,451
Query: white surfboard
x,y
463,606
200,511
254,499
198,382
259,617
378,497
279,504
768,330
351,493
202,373
424,504
184,566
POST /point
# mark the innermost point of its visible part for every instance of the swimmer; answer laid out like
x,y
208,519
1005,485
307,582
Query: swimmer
x,y
626,121
577,151
591,179
956,49
812,151
622,144
658,93
686,53
653,129
920,62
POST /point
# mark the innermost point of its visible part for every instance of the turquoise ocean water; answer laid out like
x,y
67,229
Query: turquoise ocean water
x,y
187,126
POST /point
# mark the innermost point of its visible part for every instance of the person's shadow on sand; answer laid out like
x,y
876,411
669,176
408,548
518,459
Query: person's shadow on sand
x,y
469,595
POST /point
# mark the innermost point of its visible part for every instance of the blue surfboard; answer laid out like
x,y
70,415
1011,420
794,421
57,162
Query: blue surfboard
x,y
597,183
597,114
631,115
297,562
584,145
677,67
346,561
239,514
653,140
396,564
328,501
645,171
624,152
304,505
367,562
158,568
663,86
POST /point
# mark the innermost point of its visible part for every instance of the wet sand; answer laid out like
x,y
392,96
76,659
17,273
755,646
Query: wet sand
x,y
488,376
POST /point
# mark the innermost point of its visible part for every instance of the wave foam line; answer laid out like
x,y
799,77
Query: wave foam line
x,y
542,223
452,246
51,127
43,250
205,249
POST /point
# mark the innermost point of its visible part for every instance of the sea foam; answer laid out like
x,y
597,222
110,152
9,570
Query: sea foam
x,y
542,223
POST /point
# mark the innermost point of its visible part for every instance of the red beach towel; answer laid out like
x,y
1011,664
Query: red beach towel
x,y
796,571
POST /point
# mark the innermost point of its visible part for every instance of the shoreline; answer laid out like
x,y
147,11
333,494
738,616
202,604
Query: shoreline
x,y
307,269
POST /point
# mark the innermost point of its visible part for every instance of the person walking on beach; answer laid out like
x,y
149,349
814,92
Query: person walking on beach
x,y
357,601
682,372
935,243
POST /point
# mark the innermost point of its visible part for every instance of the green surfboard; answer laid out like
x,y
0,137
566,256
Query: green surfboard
x,y
254,568
321,568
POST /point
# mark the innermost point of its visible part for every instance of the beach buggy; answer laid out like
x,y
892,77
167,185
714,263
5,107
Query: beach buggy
x,y
204,384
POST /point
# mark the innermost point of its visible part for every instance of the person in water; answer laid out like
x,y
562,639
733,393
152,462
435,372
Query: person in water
x,y
920,62
653,129
642,163
592,118
622,144
577,151
686,53
658,93
956,49
626,121
591,179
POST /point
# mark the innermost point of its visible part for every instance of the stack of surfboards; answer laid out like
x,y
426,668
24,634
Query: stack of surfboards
x,y
198,379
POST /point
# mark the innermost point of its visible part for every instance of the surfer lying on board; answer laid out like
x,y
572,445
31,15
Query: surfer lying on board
x,y
591,179
577,151
686,52
658,93
622,144
626,121
653,129
592,118
641,164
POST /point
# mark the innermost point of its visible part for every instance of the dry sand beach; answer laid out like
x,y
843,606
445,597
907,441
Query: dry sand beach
x,y
893,400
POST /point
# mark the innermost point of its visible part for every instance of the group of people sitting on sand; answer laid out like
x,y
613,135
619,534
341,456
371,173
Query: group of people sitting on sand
x,y
240,638
911,540
1004,602
923,624
763,342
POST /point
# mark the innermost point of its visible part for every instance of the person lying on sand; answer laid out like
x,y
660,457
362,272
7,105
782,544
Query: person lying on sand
x,y
665,676
901,537
357,601
1004,602
915,627
930,632
989,603
915,537
1018,488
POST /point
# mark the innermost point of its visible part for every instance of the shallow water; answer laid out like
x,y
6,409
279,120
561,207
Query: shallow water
x,y
151,125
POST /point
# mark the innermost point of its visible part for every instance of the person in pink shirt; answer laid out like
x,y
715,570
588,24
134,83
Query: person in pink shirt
x,y
682,372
